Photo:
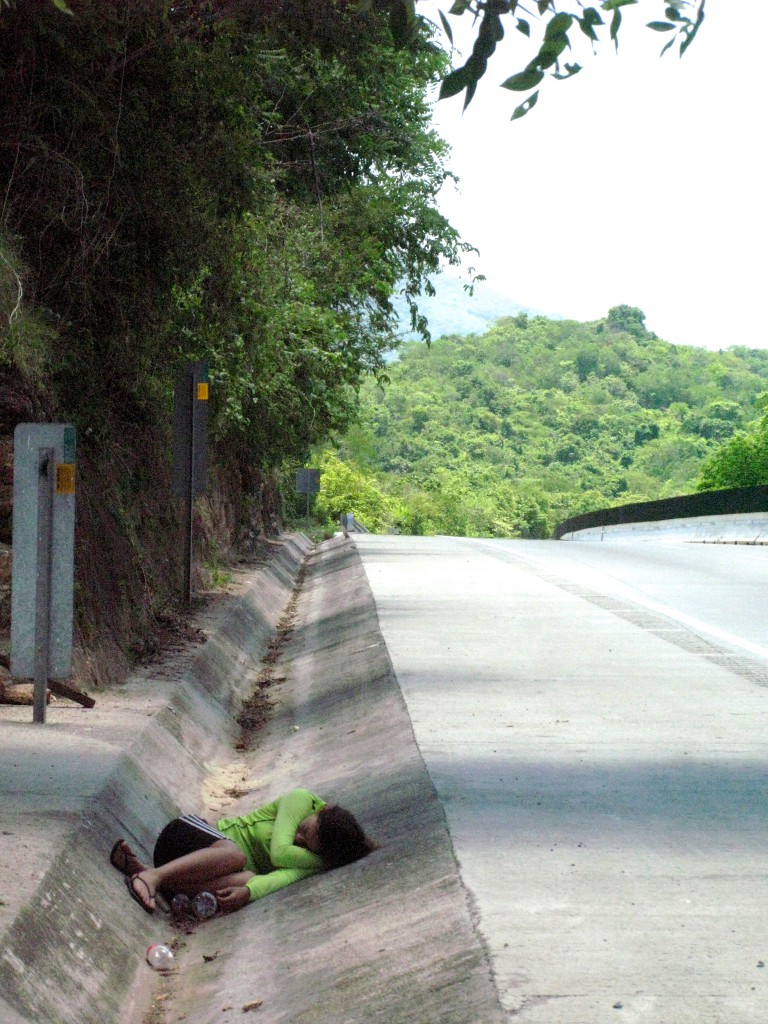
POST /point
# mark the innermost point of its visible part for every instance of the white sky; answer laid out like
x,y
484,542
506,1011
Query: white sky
x,y
641,180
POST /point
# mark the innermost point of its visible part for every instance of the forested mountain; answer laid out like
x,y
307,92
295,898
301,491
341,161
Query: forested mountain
x,y
510,432
458,308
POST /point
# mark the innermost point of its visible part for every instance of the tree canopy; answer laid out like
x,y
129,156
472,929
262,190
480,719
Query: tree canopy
x,y
510,432
214,180
244,183
742,460
549,30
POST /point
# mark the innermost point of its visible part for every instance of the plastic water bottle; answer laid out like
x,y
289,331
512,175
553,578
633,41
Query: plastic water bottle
x,y
204,905
159,957
181,905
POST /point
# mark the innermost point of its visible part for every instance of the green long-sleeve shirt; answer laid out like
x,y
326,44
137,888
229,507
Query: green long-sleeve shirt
x,y
266,837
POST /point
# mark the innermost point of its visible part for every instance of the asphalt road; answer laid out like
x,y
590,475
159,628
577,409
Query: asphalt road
x,y
594,720
717,590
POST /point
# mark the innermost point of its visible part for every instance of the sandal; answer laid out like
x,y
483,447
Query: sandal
x,y
147,906
120,857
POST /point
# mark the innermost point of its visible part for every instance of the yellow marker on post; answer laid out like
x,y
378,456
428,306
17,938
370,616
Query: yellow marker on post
x,y
65,478
202,391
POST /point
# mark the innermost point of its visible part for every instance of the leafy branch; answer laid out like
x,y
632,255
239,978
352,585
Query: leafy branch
x,y
682,20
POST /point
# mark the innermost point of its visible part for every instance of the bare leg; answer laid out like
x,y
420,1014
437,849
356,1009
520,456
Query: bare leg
x,y
190,873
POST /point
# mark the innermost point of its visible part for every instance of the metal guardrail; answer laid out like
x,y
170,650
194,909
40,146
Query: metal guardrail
x,y
350,525
707,505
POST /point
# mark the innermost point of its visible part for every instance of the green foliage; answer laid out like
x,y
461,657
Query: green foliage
x,y
742,461
347,488
218,182
681,21
536,420
26,337
627,318
214,181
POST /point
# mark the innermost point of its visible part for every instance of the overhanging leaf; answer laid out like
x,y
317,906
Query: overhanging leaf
x,y
571,69
696,27
660,26
454,82
591,17
686,42
471,88
587,29
615,26
524,107
558,26
523,26
446,27
549,52
524,80
491,29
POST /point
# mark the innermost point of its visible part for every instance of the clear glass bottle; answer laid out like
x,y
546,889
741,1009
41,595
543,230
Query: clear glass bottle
x,y
204,905
181,905
160,957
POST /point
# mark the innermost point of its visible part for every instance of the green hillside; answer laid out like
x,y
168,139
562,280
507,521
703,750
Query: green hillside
x,y
507,433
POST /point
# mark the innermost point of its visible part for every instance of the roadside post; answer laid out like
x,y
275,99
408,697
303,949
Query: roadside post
x,y
42,579
307,482
190,450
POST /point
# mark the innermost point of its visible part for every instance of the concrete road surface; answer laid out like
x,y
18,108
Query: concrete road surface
x,y
601,754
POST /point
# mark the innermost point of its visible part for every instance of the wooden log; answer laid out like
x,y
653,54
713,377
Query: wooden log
x,y
64,690
20,691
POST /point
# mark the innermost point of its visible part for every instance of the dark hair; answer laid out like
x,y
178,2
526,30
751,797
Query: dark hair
x,y
342,840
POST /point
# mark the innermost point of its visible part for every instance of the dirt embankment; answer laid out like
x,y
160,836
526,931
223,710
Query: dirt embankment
x,y
128,541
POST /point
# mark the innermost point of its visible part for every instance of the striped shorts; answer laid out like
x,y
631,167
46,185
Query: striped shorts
x,y
184,835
